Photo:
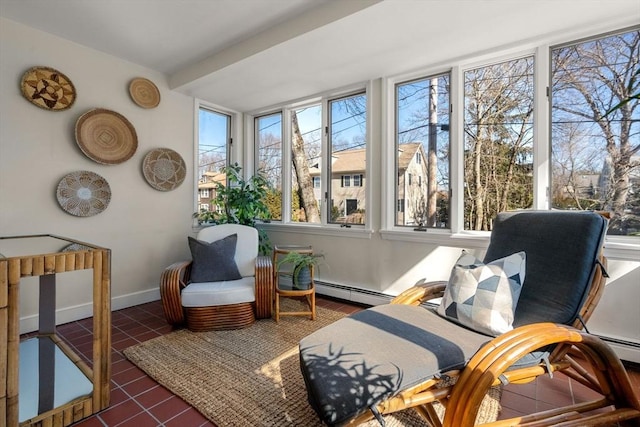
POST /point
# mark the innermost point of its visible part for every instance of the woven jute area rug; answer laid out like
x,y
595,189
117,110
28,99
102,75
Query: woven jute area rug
x,y
251,376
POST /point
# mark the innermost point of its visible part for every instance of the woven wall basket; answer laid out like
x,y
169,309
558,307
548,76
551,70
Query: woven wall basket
x,y
48,88
106,137
83,193
144,92
164,169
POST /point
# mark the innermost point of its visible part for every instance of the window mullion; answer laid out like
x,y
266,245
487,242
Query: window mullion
x,y
541,129
325,172
286,166
457,151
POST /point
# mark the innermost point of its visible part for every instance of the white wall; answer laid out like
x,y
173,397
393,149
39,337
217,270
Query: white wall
x,y
146,229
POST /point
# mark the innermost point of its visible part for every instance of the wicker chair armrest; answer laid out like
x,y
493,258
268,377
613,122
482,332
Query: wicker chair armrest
x,y
496,358
174,278
421,293
264,287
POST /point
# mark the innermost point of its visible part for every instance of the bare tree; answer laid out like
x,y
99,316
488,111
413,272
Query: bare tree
x,y
305,184
498,140
589,80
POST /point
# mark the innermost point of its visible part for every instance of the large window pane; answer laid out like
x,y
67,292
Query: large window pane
x,y
213,136
347,139
269,159
422,152
306,146
595,128
498,141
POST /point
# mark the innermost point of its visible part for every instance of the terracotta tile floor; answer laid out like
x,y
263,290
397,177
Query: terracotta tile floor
x,y
138,401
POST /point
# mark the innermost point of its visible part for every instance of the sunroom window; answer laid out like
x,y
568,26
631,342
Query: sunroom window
x,y
306,156
498,140
268,131
595,129
214,137
348,142
422,132
314,157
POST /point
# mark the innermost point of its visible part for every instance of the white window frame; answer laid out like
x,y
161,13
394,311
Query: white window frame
x,y
456,173
235,150
325,227
615,245
380,147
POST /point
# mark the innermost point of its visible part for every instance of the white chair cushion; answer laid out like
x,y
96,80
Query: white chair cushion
x,y
208,294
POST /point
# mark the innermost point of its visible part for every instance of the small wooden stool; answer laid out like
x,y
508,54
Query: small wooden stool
x,y
284,287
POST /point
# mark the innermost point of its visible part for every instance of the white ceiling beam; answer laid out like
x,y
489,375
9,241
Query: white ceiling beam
x,y
305,22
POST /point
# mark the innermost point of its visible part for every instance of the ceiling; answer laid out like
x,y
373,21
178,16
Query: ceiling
x,y
250,54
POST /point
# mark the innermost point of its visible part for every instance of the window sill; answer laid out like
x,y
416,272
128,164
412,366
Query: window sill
x,y
629,251
358,232
478,240
622,250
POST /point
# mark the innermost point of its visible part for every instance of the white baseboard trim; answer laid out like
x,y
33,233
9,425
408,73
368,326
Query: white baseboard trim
x,y
625,350
348,293
82,311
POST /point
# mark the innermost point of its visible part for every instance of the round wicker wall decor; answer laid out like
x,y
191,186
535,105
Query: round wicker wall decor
x,y
106,137
144,92
164,169
83,193
48,88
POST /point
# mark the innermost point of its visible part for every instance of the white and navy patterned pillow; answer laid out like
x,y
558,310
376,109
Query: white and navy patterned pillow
x,y
483,297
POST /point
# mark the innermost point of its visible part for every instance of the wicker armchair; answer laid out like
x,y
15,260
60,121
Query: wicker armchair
x,y
230,304
394,357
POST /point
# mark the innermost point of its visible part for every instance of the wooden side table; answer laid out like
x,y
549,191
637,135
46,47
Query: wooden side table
x,y
80,390
284,286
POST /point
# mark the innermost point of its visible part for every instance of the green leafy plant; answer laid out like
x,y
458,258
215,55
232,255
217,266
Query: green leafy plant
x,y
240,201
299,261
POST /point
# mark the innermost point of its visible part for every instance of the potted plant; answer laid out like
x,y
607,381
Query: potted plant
x,y
240,202
302,263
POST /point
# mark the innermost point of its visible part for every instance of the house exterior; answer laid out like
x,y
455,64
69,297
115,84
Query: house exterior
x,y
348,184
207,189
412,184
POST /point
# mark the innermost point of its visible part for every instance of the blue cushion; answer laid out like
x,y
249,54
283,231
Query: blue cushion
x,y
562,248
362,359
214,262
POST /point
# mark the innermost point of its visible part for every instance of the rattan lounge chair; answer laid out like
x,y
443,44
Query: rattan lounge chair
x,y
227,302
393,357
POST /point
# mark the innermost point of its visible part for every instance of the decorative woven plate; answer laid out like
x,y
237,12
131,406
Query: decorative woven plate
x,y
83,193
106,137
144,92
164,169
48,88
